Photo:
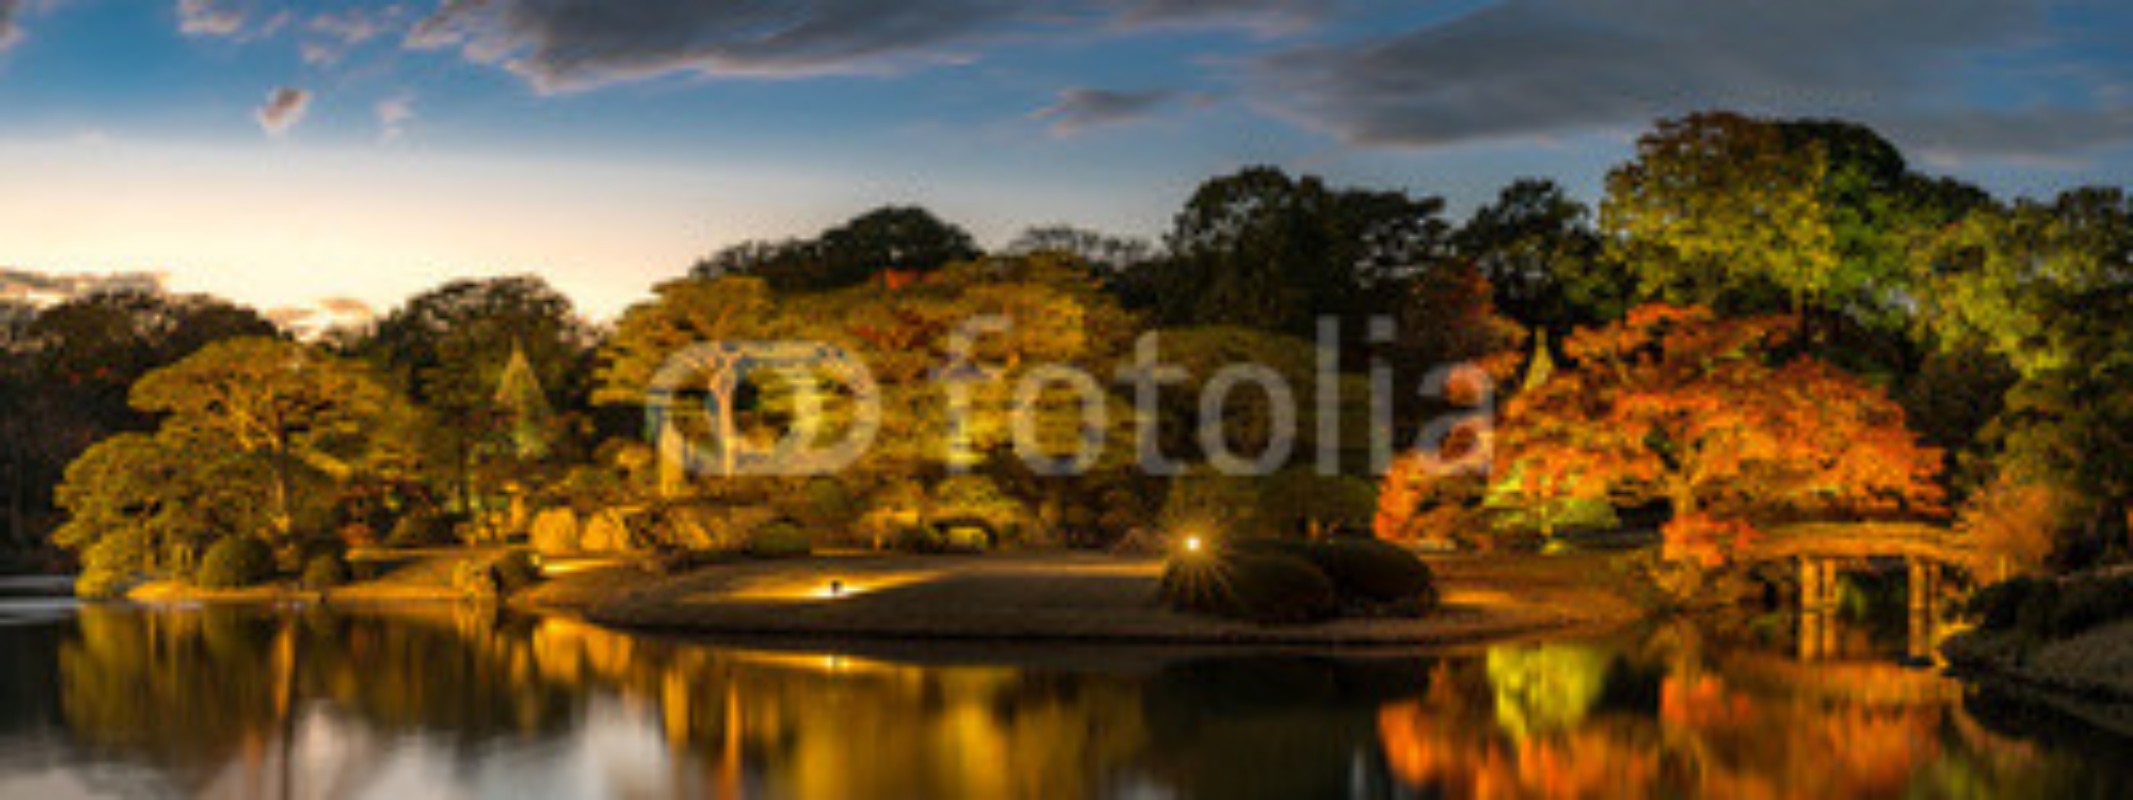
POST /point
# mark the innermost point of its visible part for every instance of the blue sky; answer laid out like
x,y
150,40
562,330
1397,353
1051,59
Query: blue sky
x,y
280,152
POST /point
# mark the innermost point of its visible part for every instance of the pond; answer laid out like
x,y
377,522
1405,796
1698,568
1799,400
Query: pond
x,y
427,701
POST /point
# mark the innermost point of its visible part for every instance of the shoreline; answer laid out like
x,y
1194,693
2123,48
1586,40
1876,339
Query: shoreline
x,y
2095,665
1080,599
1049,598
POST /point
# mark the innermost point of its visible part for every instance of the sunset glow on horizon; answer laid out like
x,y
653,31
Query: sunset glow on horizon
x,y
280,155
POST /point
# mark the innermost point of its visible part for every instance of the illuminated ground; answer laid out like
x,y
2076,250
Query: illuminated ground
x,y
1072,597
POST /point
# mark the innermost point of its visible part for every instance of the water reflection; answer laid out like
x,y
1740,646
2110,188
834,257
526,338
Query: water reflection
x,y
457,701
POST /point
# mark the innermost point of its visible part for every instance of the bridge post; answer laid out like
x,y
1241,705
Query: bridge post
x,y
1830,597
1818,607
1810,627
1917,582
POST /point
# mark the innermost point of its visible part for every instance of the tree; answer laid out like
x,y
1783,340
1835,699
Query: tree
x,y
683,313
1679,405
282,404
891,238
1107,254
71,366
454,348
1537,249
151,502
1717,209
1261,249
2050,289
1820,217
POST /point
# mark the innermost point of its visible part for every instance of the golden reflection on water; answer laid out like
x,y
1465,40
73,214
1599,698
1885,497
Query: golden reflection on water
x,y
318,704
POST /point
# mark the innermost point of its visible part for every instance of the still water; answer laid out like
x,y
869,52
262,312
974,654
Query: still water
x,y
457,702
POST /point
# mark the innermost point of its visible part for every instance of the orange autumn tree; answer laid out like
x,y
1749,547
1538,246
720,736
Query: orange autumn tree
x,y
1677,404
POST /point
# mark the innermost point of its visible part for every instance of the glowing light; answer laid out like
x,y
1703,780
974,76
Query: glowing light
x,y
1193,544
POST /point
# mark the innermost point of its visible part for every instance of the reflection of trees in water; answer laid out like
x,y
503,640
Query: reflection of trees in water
x,y
212,695
1731,725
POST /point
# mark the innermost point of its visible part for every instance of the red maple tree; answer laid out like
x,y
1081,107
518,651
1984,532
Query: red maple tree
x,y
1678,404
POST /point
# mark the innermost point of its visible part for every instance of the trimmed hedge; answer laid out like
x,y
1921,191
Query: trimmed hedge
x,y
1373,577
325,571
1294,580
235,562
1372,573
1262,587
780,540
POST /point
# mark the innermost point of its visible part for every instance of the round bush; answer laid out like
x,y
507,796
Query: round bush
x,y
779,540
425,530
1373,573
236,562
1261,587
325,571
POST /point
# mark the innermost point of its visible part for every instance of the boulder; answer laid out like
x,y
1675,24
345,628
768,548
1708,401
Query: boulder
x,y
555,532
606,532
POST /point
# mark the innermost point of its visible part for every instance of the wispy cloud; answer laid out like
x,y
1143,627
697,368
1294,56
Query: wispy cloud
x,y
1081,108
284,108
573,44
1539,68
330,35
1268,17
211,17
393,115
10,31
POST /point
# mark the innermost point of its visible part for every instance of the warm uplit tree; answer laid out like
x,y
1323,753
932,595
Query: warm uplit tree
x,y
282,404
1680,405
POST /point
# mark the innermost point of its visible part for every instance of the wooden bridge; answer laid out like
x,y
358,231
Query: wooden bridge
x,y
1823,548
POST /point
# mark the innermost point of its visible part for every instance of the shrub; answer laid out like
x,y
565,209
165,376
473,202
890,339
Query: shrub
x,y
1376,575
2043,608
515,570
779,540
1205,502
425,529
2089,602
975,497
917,539
325,571
1997,607
102,584
236,562
1263,587
1368,575
826,503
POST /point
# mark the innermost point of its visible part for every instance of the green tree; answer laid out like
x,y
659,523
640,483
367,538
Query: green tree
x,y
1536,247
298,411
67,371
898,238
1262,249
453,349
2049,287
1717,209
139,502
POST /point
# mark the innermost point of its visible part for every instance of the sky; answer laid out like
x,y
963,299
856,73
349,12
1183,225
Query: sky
x,y
286,153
